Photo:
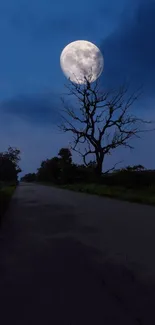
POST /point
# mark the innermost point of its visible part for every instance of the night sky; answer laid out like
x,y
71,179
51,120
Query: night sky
x,y
32,36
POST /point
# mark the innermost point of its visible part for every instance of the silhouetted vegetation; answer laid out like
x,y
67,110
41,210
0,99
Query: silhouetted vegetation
x,y
62,170
130,178
31,177
133,183
5,197
9,170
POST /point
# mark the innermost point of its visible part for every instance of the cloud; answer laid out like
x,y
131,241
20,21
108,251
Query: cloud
x,y
129,56
129,52
41,109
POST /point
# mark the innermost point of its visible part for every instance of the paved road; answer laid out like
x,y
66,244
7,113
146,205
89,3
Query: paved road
x,y
75,259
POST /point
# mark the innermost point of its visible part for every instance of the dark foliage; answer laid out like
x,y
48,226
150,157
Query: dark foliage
x,y
130,179
5,197
9,168
31,177
49,170
61,170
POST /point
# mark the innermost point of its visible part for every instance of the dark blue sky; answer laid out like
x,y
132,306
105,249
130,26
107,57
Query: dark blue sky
x,y
32,36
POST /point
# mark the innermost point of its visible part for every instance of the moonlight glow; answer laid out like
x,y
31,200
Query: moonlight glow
x,y
79,59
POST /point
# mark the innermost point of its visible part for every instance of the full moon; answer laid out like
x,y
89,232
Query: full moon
x,y
81,59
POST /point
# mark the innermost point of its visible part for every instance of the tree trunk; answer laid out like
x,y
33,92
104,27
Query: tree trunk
x,y
99,162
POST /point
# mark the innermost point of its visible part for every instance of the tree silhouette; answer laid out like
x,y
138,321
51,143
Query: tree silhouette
x,y
65,155
49,170
9,168
101,122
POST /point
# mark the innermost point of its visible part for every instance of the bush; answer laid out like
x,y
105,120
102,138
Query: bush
x,y
5,197
130,179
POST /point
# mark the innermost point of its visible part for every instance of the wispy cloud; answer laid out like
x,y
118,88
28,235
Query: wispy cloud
x,y
41,109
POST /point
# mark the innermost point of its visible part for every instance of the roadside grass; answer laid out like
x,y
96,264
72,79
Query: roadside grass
x,y
6,192
144,195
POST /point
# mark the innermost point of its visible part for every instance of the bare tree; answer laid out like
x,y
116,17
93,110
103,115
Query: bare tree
x,y
101,121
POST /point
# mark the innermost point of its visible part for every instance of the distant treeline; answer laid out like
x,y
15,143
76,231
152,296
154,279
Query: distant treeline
x,y
61,170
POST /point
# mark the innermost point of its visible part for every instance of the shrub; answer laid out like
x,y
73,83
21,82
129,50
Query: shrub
x,y
5,196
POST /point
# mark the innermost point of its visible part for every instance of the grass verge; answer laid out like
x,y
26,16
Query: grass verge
x,y
6,193
144,195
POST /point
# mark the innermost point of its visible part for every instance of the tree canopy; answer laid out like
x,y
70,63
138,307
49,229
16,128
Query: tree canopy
x,y
9,167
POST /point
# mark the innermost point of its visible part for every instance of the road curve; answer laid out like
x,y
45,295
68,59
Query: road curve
x,y
75,259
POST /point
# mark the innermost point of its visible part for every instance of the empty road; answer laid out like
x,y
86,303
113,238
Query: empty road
x,y
75,259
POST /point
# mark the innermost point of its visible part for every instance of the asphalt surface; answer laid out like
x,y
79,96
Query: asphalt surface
x,y
75,259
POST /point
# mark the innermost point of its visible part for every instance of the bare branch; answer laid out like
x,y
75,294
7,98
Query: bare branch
x,y
99,114
113,168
